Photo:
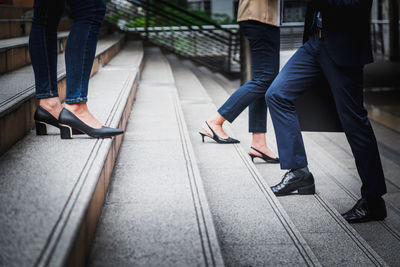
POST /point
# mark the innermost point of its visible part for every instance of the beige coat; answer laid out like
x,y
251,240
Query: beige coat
x,y
265,11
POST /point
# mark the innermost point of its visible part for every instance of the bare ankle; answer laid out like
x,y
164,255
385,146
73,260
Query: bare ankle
x,y
77,108
259,141
51,103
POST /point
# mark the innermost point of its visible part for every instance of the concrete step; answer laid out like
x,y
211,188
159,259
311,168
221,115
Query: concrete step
x,y
12,28
342,188
156,211
19,3
14,12
330,237
336,145
17,92
252,226
52,190
14,52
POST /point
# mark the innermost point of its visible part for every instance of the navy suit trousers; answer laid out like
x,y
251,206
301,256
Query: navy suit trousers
x,y
304,70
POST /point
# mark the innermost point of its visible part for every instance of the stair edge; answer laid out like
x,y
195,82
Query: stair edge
x,y
73,242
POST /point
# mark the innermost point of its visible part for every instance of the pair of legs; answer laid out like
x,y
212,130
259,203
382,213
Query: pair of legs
x,y
79,54
304,70
264,43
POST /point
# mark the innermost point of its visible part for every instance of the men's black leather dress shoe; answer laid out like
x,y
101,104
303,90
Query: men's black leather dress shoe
x,y
300,180
366,210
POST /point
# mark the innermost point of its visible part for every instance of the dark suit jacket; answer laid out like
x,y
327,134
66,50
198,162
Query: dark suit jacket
x,y
346,25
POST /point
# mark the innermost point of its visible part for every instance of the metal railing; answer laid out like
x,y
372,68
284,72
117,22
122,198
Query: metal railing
x,y
380,33
180,31
201,39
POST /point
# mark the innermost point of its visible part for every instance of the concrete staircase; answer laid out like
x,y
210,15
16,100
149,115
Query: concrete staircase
x,y
144,208
172,200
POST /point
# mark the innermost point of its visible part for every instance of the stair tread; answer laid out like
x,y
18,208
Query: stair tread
x,y
23,41
333,193
17,85
152,216
15,20
251,225
42,176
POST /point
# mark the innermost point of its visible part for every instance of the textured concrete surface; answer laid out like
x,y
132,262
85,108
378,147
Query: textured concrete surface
x,y
151,215
322,228
248,224
340,185
41,175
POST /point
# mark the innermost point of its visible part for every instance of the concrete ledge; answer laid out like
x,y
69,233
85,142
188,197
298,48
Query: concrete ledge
x,y
20,3
11,28
13,12
385,118
85,232
62,220
14,52
19,106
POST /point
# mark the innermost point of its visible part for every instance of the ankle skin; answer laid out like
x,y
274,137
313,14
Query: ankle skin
x,y
52,105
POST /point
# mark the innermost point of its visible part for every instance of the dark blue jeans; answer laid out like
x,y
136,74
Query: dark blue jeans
x,y
304,70
80,49
264,43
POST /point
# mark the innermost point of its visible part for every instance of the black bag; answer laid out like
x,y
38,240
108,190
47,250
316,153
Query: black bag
x,y
316,110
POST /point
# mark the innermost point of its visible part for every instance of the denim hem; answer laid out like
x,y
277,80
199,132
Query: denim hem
x,y
76,100
255,130
47,95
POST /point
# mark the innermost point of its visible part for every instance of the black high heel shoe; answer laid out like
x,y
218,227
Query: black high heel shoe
x,y
43,118
218,139
68,121
263,156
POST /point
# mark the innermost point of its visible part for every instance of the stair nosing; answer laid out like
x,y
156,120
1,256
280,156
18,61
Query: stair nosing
x,y
187,146
114,118
24,41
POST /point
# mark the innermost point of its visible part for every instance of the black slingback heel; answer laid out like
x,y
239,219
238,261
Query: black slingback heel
x,y
263,156
218,139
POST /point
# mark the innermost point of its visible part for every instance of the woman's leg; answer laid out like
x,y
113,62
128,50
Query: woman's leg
x,y
264,46
43,52
79,55
265,65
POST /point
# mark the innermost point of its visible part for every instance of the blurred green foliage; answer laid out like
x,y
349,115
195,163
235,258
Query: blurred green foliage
x,y
176,17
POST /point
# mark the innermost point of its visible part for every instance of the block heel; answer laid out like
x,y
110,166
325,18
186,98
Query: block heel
x,y
65,131
41,128
307,190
